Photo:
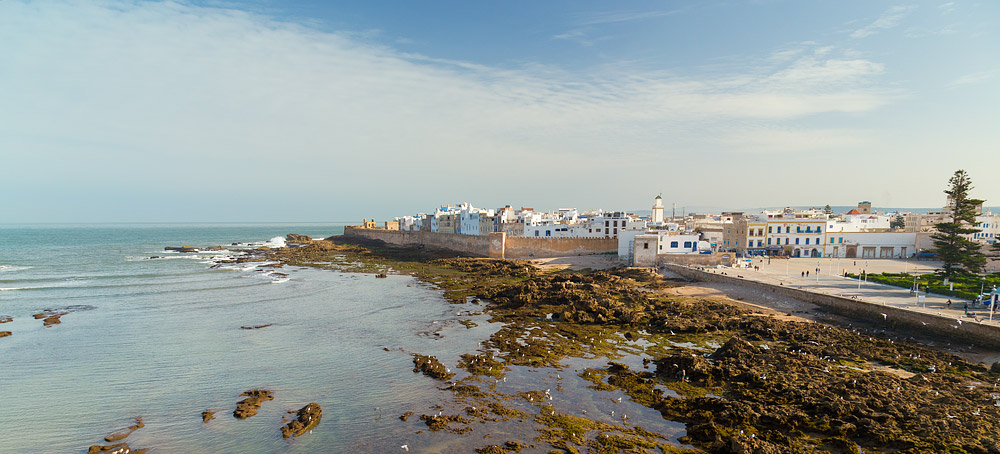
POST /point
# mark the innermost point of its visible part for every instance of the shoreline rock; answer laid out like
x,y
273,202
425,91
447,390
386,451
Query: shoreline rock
x,y
124,433
255,326
307,418
6,318
5,333
249,406
431,367
207,416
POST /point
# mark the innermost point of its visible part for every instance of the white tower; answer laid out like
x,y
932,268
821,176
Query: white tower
x,y
657,217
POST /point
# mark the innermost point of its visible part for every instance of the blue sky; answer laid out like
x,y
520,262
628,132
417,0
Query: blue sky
x,y
328,111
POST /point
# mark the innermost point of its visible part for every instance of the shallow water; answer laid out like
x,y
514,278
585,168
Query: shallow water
x,y
163,341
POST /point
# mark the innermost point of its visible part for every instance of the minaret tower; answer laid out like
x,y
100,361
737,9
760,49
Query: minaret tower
x,y
657,217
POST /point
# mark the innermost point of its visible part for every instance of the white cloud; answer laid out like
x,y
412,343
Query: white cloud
x,y
622,16
887,20
974,78
115,92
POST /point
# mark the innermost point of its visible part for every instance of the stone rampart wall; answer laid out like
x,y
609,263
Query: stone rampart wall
x,y
897,318
496,244
519,247
470,244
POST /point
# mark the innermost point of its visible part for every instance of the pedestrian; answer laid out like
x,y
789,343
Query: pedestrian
x,y
803,274
966,308
949,303
807,274
855,263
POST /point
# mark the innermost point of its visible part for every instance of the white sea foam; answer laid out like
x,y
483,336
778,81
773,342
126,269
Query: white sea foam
x,y
11,268
275,242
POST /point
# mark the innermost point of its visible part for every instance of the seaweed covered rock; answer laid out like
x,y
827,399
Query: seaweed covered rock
x,y
306,418
296,238
118,448
124,433
431,367
249,406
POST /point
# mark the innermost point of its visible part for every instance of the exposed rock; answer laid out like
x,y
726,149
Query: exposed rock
x,y
5,333
6,318
405,416
184,248
307,418
248,407
49,318
207,415
295,238
124,433
118,448
431,367
214,248
255,326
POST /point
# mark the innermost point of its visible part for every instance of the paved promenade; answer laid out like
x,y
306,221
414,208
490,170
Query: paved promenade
x,y
830,280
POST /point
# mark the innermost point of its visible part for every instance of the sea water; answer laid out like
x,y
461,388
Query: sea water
x,y
160,338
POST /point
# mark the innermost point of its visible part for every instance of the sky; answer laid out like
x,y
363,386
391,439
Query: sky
x,y
316,111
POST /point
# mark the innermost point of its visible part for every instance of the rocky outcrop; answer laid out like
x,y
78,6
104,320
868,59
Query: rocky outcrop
x,y
306,418
124,433
6,318
431,367
249,406
119,448
184,248
255,326
50,317
300,239
5,333
207,415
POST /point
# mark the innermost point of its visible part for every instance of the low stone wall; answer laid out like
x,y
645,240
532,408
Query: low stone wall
x,y
519,247
896,318
474,245
697,259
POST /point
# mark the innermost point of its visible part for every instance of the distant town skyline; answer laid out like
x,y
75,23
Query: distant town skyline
x,y
259,110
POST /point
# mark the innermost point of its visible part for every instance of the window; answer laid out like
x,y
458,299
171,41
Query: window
x,y
796,241
841,240
760,243
673,244
548,233
768,241
645,245
819,229
831,240
607,224
817,241
536,232
768,229
687,244
798,229
607,230
786,240
807,240
616,223
788,229
661,247
616,231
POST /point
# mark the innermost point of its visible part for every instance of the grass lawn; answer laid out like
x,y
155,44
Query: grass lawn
x,y
966,286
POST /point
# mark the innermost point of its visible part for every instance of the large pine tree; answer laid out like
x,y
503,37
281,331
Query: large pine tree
x,y
952,247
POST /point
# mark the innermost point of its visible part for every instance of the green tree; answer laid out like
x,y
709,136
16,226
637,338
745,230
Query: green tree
x,y
952,247
898,222
828,210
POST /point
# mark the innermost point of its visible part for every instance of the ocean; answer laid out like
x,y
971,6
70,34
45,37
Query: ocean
x,y
157,334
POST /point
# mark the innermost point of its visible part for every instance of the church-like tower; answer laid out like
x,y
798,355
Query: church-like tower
x,y
657,217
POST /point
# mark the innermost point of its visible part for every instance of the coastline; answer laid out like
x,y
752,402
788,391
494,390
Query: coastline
x,y
695,359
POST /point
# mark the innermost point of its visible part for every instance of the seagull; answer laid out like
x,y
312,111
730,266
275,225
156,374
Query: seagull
x,y
405,448
925,323
959,322
885,316
619,400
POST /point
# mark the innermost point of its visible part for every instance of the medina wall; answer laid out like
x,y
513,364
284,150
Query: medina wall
x,y
519,247
496,244
718,258
475,245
